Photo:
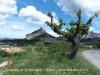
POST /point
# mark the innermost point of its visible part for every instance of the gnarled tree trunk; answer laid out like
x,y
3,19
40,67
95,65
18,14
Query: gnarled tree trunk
x,y
75,45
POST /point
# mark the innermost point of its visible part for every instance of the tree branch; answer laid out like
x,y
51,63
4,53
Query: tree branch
x,y
56,27
59,31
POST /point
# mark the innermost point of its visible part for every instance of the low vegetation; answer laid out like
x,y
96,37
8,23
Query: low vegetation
x,y
29,48
96,44
40,47
59,50
4,53
54,61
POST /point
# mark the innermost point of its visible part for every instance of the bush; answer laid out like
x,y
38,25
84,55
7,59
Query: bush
x,y
18,54
4,53
96,44
59,50
59,46
29,48
40,47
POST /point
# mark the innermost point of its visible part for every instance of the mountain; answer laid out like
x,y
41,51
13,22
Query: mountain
x,y
93,34
5,39
40,33
62,37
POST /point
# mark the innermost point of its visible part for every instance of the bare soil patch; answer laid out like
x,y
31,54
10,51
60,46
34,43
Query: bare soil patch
x,y
12,49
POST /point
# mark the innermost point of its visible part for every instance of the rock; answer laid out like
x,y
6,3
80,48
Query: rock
x,y
38,34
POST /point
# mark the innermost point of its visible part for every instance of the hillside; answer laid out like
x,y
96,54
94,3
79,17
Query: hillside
x,y
40,33
31,38
30,61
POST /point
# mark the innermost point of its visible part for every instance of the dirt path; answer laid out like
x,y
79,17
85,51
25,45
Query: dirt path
x,y
1,73
2,65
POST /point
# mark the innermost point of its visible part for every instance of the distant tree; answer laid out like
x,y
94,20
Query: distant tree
x,y
29,48
96,44
40,47
72,33
4,53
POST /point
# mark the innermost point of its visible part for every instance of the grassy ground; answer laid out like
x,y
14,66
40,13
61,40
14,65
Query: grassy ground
x,y
10,48
37,63
3,59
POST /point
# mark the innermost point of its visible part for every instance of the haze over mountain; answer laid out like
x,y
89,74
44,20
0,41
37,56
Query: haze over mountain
x,y
91,34
40,33
5,39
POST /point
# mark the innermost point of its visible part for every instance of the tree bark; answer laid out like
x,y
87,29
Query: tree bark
x,y
75,45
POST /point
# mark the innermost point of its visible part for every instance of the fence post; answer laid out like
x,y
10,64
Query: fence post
x,y
9,63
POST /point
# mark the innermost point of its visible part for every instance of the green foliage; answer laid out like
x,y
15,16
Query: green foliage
x,y
58,50
79,15
18,54
49,14
40,47
53,24
58,46
36,61
29,48
4,53
84,47
72,23
61,23
96,44
96,14
74,26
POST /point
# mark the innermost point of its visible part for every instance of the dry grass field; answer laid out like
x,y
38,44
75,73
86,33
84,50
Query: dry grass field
x,y
11,49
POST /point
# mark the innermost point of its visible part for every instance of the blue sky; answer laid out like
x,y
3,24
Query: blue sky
x,y
20,17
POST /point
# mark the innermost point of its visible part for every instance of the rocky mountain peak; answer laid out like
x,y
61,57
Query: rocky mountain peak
x,y
38,33
42,30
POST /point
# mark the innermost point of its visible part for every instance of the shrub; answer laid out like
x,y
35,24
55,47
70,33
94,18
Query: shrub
x,y
59,50
4,53
40,47
96,44
59,46
29,48
18,54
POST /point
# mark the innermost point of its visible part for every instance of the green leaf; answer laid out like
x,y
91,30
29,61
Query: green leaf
x,y
96,14
64,24
79,15
50,14
46,22
72,23
60,20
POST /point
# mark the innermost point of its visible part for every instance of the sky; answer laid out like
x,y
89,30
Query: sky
x,y
20,17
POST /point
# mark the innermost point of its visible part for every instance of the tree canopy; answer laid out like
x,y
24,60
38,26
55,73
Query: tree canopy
x,y
75,27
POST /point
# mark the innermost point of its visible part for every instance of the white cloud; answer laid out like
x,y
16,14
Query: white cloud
x,y
2,21
44,0
54,14
91,29
97,32
53,33
55,0
34,16
88,7
96,22
17,28
7,8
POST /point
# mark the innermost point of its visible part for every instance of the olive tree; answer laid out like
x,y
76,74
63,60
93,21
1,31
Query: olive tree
x,y
73,32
